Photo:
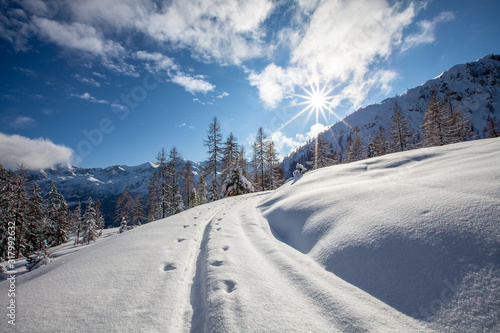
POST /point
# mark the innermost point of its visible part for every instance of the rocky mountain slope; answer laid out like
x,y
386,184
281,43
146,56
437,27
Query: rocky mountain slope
x,y
473,87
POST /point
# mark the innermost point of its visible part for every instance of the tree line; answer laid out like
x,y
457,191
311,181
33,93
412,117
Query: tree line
x,y
226,172
31,223
443,124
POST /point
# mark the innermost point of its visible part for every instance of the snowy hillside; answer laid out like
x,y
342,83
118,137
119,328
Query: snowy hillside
x,y
405,242
473,87
78,184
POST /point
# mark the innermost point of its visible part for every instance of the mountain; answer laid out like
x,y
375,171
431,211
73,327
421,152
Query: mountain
x,y
405,242
473,87
104,184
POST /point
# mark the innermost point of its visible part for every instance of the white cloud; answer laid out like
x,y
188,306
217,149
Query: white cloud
x,y
274,83
228,31
86,96
23,121
224,94
427,30
285,144
77,36
160,61
193,84
32,153
87,80
343,41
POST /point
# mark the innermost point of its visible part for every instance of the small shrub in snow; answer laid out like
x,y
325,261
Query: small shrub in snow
x,y
38,259
236,183
123,225
300,170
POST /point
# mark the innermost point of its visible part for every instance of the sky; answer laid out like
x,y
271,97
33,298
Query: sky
x,y
98,83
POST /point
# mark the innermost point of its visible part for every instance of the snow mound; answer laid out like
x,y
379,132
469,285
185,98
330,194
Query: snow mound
x,y
418,230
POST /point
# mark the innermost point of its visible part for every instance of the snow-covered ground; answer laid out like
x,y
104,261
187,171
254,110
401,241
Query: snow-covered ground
x,y
405,242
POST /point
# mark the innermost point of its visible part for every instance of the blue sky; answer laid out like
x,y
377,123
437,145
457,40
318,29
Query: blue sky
x,y
105,82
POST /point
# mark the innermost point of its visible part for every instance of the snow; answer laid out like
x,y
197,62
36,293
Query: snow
x,y
405,242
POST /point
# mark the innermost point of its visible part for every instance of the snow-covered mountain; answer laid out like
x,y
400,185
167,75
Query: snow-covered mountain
x,y
473,87
78,184
405,242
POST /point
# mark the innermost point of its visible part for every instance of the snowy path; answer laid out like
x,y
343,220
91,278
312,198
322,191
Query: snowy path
x,y
214,268
246,280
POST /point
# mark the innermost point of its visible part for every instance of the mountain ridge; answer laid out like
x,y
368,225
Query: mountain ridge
x,y
473,87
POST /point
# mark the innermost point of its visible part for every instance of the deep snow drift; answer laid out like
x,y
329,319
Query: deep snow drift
x,y
405,242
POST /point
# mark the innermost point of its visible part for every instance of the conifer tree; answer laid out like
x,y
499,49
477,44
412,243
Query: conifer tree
x,y
201,187
356,150
57,218
440,127
259,159
230,153
77,222
189,185
213,191
158,193
235,183
173,167
492,128
380,143
214,145
274,175
99,217
34,229
129,207
123,225
90,228
322,153
402,136
178,204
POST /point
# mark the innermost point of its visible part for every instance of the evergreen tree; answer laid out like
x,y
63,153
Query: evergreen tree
x,y
158,193
356,150
189,185
201,187
77,222
173,167
214,145
492,128
242,162
274,177
213,191
322,153
402,136
57,218
34,232
123,225
235,183
129,207
99,217
259,159
380,143
90,228
230,153
442,125
13,213
178,204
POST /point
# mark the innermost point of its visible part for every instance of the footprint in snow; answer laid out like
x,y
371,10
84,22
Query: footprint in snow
x,y
220,218
230,285
180,240
169,267
218,229
195,217
185,226
217,263
225,248
194,225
